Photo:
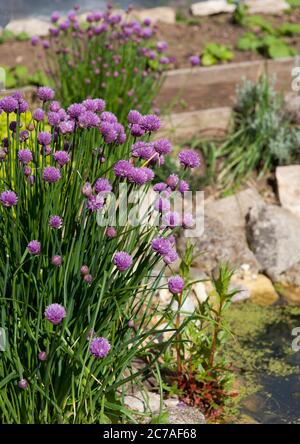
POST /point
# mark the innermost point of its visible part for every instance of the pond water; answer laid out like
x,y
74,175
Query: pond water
x,y
12,9
269,367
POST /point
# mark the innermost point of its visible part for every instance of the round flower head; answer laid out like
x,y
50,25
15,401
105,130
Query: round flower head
x,y
162,146
161,245
51,174
162,205
99,347
172,181
75,110
188,221
122,168
8,104
159,187
161,46
194,60
189,158
88,278
61,157
95,203
23,384
102,185
111,232
54,118
84,270
172,219
25,156
150,123
88,119
38,115
183,186
44,138
122,260
35,40
45,94
55,16
56,261
136,130
54,106
134,117
8,198
87,189
55,222
138,176
171,257
176,284
42,356
34,247
55,313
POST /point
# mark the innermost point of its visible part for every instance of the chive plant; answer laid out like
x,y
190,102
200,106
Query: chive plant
x,y
77,295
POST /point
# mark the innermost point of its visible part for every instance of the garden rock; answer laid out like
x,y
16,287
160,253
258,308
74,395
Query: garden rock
x,y
211,7
224,237
288,182
267,6
273,235
183,414
258,288
162,14
31,26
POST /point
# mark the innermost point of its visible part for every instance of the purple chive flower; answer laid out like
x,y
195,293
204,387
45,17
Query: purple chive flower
x,y
27,170
23,106
161,46
87,189
150,123
84,270
183,186
172,181
67,127
172,219
8,198
51,174
111,232
102,185
55,222
56,261
25,156
55,16
195,60
162,146
162,205
35,40
44,138
91,105
61,157
99,105
136,130
88,119
54,106
176,284
42,356
171,257
134,117
75,110
8,104
34,247
38,115
164,60
122,260
54,118
159,187
99,347
122,168
88,278
188,221
161,245
45,93
107,116
138,176
143,150
55,313
95,203
23,384
149,173
189,158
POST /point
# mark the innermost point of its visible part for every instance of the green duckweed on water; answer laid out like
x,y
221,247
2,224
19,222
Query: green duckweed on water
x,y
267,367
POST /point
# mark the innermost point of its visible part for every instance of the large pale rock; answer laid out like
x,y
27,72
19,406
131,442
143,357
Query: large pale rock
x,y
163,14
258,287
185,415
273,235
211,7
288,183
224,237
267,6
32,26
